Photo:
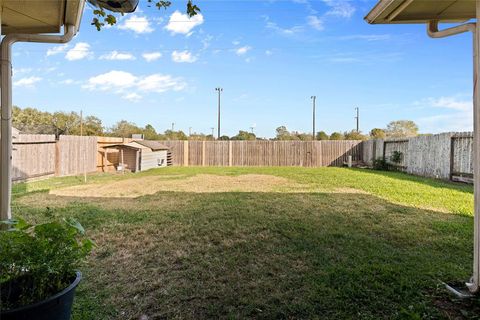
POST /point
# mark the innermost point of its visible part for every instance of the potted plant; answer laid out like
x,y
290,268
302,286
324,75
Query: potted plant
x,y
39,268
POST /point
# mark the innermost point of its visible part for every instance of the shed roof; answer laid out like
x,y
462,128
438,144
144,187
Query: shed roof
x,y
152,144
420,11
141,144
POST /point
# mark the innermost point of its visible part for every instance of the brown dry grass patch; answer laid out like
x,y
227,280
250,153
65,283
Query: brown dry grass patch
x,y
202,183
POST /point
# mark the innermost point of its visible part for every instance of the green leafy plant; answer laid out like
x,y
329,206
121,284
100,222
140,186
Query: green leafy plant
x,y
40,260
102,17
396,157
381,164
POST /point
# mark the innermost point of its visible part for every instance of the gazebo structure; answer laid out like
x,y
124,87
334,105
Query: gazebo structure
x,y
431,12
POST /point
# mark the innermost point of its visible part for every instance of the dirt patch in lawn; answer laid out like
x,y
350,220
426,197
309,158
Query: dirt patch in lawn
x,y
202,183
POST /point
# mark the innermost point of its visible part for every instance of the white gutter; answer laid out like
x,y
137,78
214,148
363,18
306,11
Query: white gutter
x,y
432,30
6,112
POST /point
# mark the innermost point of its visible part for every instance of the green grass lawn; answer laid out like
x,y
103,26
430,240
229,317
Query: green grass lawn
x,y
326,243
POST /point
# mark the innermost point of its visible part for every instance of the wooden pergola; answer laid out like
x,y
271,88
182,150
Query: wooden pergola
x,y
431,13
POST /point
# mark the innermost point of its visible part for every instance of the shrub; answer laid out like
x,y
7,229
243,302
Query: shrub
x,y
381,164
396,157
38,261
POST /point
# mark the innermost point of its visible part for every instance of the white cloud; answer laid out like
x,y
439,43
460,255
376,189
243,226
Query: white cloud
x,y
340,8
183,56
182,23
367,37
27,82
80,51
18,71
137,24
242,50
132,96
161,83
56,50
448,103
460,117
126,84
292,31
113,80
315,22
268,52
67,81
115,55
151,56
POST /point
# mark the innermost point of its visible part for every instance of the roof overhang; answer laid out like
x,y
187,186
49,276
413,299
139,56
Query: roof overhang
x,y
421,11
40,16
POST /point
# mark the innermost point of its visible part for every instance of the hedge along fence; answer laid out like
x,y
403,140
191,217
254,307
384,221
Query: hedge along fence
x,y
443,156
39,155
264,153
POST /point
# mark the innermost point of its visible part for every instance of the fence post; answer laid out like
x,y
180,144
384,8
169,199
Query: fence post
x,y
203,153
229,153
452,156
185,153
57,158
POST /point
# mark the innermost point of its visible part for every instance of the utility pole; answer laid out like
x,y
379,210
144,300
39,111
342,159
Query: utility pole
x,y
81,122
251,129
219,90
173,126
213,130
189,131
357,118
314,98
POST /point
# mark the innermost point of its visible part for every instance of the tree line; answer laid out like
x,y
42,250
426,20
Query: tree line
x,y
34,121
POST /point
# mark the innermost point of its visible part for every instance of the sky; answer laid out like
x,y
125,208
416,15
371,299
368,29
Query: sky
x,y
159,67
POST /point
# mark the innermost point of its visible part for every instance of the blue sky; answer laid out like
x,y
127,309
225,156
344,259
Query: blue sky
x,y
158,67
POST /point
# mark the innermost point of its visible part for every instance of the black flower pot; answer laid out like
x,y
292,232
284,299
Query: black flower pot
x,y
57,307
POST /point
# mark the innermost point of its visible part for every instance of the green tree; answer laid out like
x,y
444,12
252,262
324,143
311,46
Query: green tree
x,y
302,136
224,138
31,120
401,129
197,137
124,129
283,134
175,135
65,123
321,135
377,133
354,135
244,135
149,133
337,136
102,15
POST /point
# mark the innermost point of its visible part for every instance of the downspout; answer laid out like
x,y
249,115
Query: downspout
x,y
6,104
432,30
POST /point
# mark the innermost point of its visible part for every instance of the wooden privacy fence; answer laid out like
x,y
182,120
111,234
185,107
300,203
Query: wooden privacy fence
x,y
264,153
36,155
443,156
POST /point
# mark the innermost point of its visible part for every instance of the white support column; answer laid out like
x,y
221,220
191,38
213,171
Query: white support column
x,y
6,135
475,281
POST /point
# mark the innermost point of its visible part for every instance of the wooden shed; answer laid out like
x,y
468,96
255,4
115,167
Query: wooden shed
x,y
140,155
